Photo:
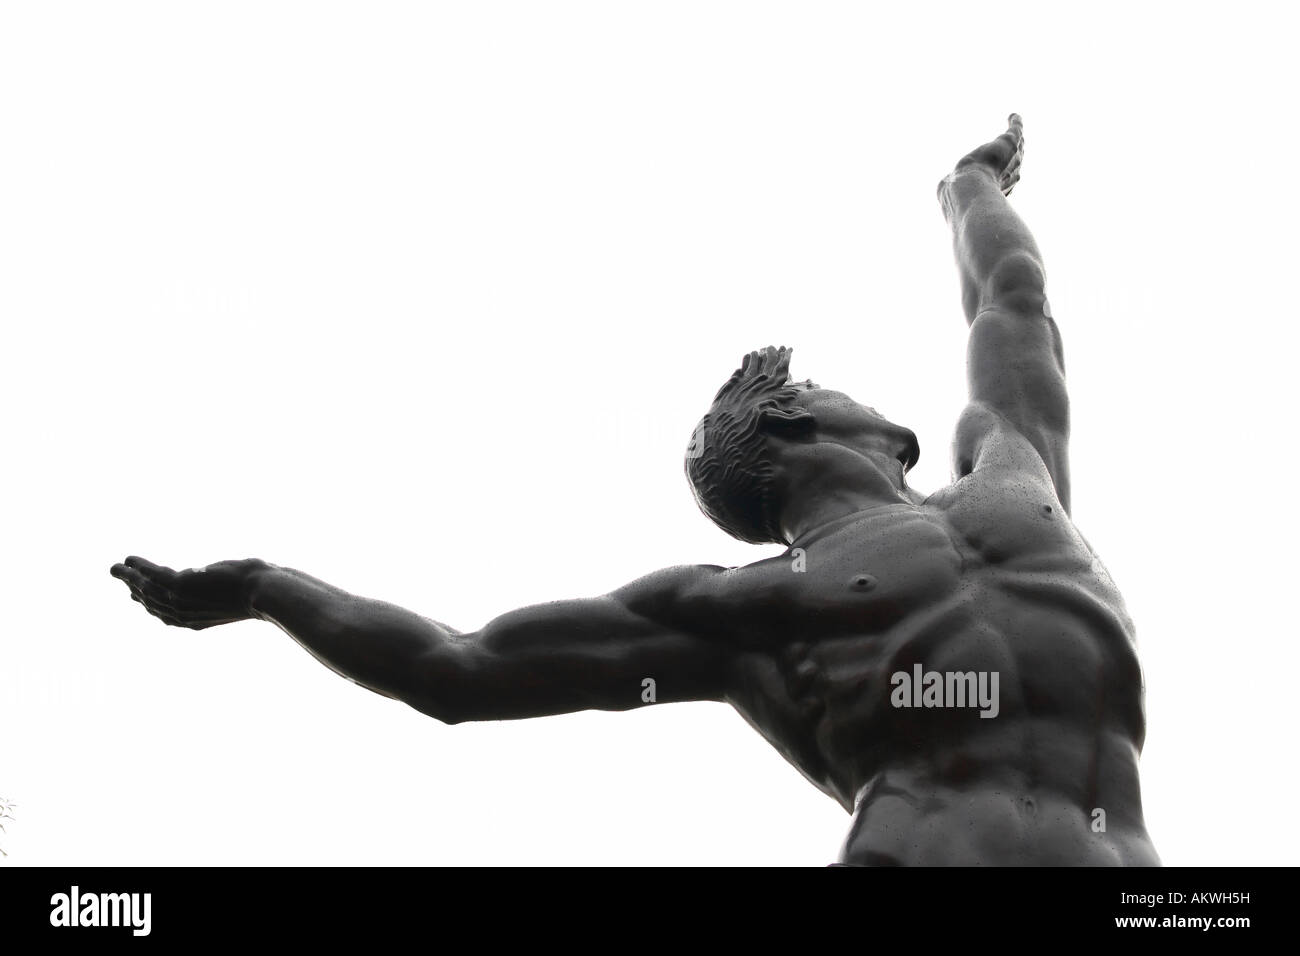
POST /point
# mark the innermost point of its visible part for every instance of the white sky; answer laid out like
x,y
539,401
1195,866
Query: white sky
x,y
426,299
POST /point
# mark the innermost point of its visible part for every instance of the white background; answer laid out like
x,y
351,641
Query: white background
x,y
426,299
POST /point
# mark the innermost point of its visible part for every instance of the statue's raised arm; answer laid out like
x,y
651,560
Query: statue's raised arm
x,y
1015,365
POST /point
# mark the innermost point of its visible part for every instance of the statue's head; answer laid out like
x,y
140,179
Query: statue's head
x,y
759,443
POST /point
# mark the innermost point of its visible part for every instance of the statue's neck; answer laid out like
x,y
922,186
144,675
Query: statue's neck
x,y
826,494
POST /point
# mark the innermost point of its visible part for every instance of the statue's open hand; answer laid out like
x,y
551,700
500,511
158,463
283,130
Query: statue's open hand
x,y
1002,157
197,598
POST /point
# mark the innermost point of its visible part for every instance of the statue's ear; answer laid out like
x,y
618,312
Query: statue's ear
x,y
789,422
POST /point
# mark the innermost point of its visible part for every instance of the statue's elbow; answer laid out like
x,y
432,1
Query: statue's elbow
x,y
1016,282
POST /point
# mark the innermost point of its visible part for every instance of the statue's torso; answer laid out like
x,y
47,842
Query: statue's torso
x,y
989,576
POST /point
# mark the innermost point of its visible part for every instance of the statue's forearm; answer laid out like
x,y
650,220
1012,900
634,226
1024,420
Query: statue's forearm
x,y
373,643
996,254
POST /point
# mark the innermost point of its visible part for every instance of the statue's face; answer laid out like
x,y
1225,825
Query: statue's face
x,y
842,420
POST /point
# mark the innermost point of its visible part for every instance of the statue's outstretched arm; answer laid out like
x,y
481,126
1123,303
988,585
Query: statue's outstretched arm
x,y
631,647
1015,364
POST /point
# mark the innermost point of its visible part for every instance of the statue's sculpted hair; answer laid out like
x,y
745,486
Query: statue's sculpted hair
x,y
727,462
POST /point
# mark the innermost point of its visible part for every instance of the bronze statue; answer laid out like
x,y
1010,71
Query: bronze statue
x,y
956,669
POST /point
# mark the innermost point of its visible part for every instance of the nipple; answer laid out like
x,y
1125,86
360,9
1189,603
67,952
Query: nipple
x,y
862,582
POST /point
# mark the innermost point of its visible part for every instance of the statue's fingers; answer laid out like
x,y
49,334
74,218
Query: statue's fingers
x,y
155,571
163,597
154,607
148,606
199,620
139,584
129,576
1017,158
202,623
195,621
1013,143
153,610
1015,134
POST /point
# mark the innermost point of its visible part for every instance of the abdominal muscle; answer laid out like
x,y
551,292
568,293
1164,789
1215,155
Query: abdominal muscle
x,y
1049,778
999,816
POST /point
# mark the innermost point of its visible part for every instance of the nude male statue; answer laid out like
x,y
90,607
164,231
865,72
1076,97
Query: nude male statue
x,y
818,648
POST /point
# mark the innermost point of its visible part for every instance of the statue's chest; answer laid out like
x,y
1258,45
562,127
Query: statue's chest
x,y
872,574
1011,520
